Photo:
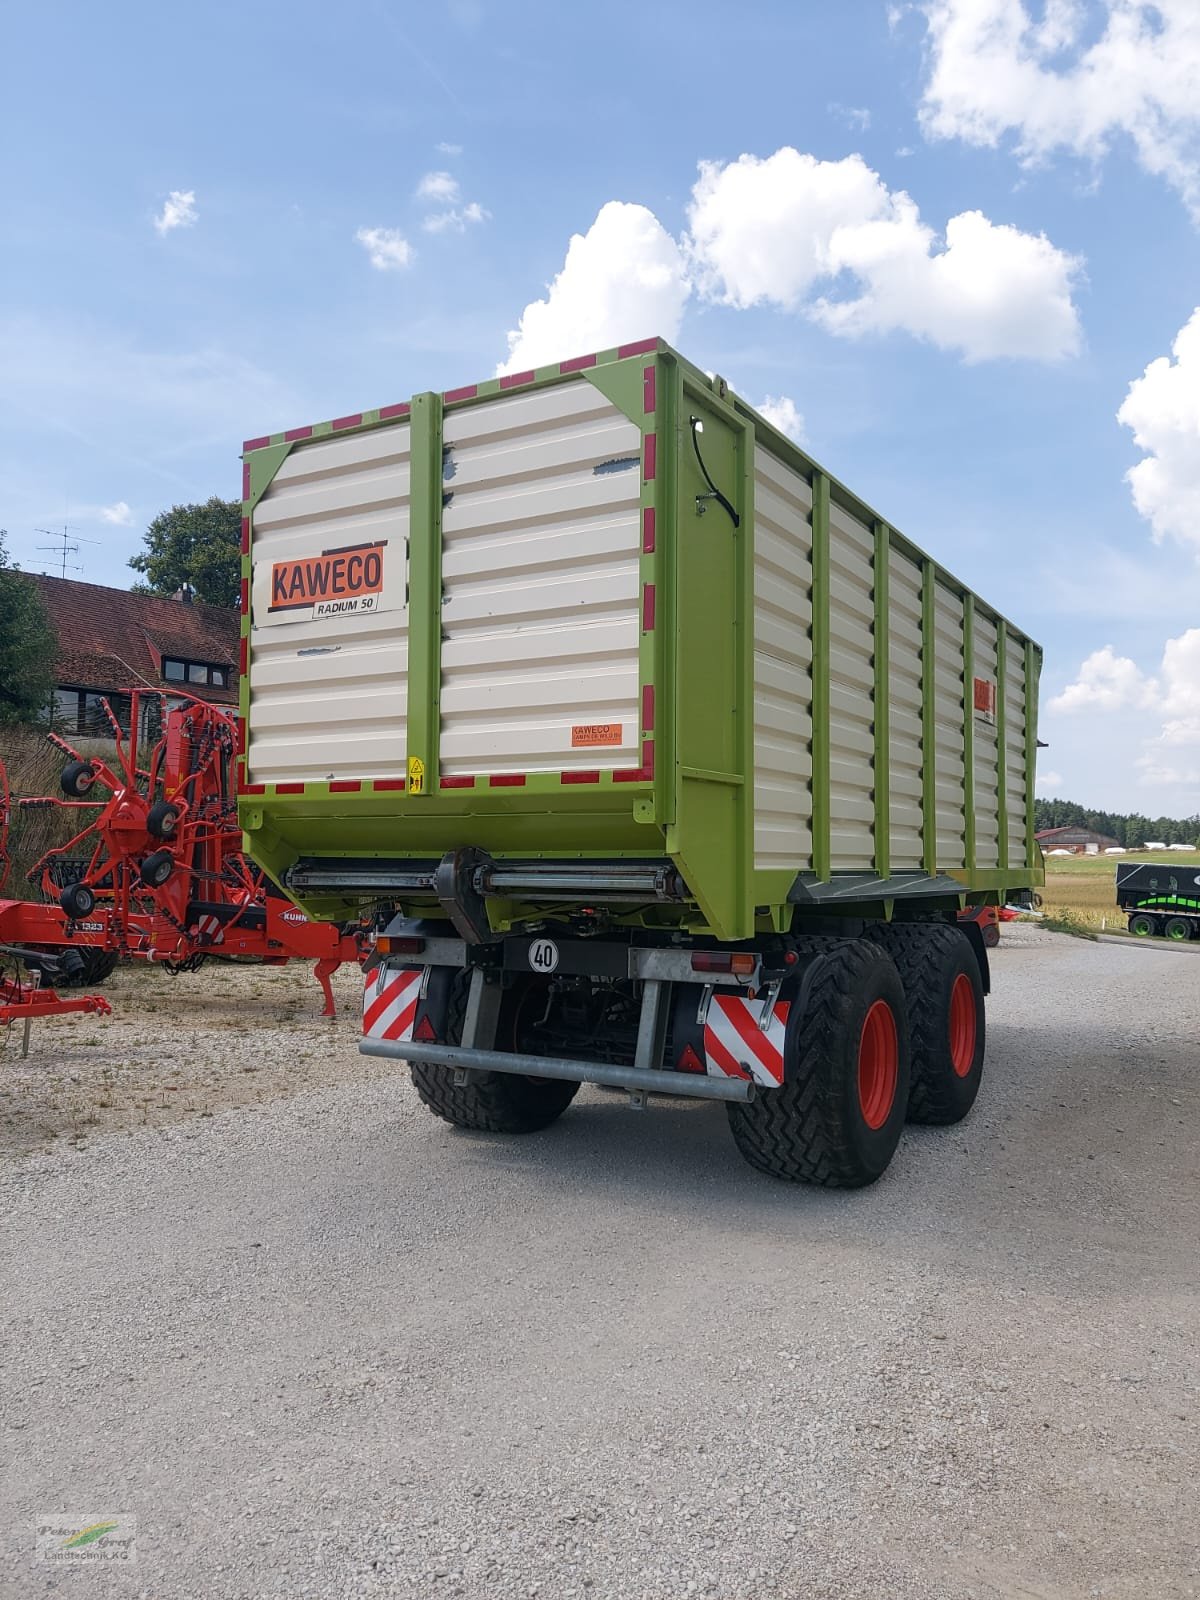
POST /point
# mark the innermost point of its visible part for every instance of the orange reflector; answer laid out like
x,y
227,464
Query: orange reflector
x,y
389,944
741,962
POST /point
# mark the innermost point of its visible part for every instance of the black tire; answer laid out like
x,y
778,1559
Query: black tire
x,y
991,935
77,900
1178,929
77,778
1143,925
162,820
97,966
493,1102
943,992
815,1128
157,868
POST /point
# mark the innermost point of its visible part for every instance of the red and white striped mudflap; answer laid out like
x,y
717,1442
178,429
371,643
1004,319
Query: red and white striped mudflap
x,y
733,1040
390,1002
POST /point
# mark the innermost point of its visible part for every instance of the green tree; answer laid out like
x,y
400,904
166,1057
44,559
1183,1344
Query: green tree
x,y
199,545
27,647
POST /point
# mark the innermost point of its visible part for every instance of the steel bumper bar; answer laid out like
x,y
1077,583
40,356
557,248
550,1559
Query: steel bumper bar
x,y
648,1081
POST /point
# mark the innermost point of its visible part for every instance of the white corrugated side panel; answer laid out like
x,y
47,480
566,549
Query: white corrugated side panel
x,y
541,538
950,763
987,788
851,693
1014,737
904,678
782,666
330,694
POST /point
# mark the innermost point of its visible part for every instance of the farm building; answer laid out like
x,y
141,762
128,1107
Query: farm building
x,y
1078,841
110,640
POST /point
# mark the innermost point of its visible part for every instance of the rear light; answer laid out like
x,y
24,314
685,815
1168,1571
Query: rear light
x,y
741,963
392,944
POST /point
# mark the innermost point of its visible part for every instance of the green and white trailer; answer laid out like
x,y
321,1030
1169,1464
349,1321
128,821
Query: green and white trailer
x,y
660,760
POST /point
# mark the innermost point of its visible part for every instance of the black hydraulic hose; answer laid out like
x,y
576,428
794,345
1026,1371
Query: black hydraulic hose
x,y
716,493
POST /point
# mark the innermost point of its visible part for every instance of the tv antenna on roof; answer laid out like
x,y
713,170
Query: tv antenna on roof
x,y
66,547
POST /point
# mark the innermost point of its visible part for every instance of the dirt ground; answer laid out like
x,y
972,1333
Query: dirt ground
x,y
324,1347
176,1049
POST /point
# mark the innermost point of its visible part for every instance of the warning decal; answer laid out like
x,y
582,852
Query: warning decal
x,y
416,775
588,735
335,583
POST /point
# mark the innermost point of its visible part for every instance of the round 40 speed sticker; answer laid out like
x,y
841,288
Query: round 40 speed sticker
x,y
543,955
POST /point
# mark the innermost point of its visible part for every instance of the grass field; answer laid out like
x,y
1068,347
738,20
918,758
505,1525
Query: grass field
x,y
1083,888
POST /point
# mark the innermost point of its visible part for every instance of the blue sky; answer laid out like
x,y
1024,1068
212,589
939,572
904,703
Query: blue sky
x,y
968,387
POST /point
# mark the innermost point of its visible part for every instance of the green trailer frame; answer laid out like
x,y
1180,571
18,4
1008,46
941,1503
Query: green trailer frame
x,y
691,801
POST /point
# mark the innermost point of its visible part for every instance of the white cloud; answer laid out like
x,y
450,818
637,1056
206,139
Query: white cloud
x,y
1047,782
624,279
442,187
118,515
771,230
456,220
387,248
1163,409
1107,682
1054,83
179,211
852,116
781,412
448,149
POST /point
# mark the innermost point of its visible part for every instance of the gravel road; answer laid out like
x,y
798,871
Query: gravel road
x,y
326,1346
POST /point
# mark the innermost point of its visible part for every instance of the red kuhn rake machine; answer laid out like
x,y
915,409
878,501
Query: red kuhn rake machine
x,y
155,871
23,999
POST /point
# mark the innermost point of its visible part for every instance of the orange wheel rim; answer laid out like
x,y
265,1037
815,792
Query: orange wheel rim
x,y
964,1025
878,1065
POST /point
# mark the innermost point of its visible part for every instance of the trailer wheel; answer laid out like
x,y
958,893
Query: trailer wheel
x,y
1145,927
991,935
838,1117
494,1102
1178,929
77,900
944,996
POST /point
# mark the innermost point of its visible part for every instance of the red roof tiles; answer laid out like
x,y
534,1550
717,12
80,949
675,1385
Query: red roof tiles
x,y
111,639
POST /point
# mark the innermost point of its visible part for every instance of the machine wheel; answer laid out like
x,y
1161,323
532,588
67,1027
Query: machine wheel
x,y
991,935
94,966
98,965
838,1117
77,778
944,996
162,819
157,868
494,1102
77,900
1178,929
1144,926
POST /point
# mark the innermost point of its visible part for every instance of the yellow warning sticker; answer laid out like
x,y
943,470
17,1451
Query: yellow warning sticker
x,y
416,775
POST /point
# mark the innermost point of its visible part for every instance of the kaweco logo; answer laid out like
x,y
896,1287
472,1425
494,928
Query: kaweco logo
x,y
336,582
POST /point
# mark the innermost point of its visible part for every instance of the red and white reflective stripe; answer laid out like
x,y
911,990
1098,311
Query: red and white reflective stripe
x,y
734,1042
210,930
390,1002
